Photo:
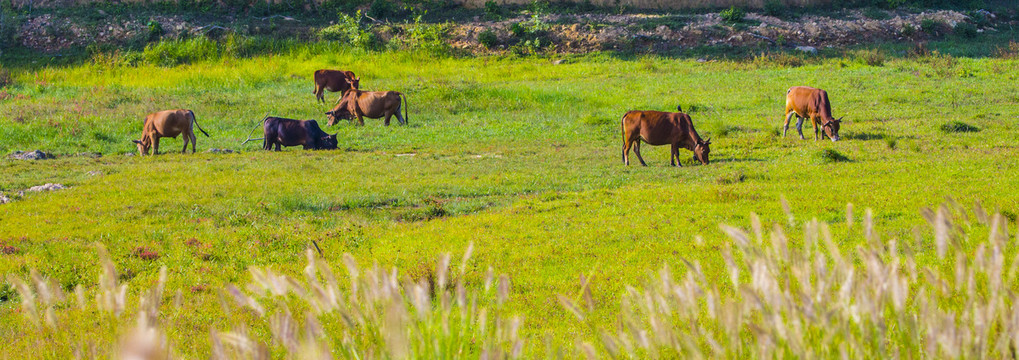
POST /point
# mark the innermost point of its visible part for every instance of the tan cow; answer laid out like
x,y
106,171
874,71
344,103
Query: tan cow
x,y
334,81
369,104
168,123
810,103
662,128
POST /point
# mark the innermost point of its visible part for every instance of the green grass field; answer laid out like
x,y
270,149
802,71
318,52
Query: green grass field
x,y
516,155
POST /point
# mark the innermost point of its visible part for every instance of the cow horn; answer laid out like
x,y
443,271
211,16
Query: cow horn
x,y
708,142
839,119
136,141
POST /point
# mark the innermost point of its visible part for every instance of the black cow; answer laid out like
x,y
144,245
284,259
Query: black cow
x,y
290,132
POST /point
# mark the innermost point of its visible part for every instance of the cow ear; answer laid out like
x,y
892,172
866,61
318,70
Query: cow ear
x,y
136,141
329,112
839,120
708,142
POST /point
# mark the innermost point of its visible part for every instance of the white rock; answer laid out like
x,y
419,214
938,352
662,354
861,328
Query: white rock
x,y
807,49
47,187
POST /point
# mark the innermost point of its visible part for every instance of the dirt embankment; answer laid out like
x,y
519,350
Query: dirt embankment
x,y
562,34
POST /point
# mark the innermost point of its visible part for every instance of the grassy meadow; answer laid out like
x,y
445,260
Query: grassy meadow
x,y
516,158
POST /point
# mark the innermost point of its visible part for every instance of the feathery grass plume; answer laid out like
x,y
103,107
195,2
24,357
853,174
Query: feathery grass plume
x,y
849,215
383,315
788,212
823,302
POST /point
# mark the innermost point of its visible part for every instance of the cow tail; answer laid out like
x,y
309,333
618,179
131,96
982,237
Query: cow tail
x,y
193,118
406,114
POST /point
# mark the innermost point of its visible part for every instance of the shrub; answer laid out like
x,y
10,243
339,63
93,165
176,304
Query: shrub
x,y
831,156
958,127
348,29
155,30
931,27
774,8
493,11
965,30
488,38
870,57
5,77
382,9
177,52
428,37
907,30
876,14
732,15
1009,52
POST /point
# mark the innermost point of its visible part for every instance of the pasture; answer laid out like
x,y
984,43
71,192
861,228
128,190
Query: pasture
x,y
518,156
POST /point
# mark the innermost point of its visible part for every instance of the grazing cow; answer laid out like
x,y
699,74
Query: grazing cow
x,y
168,123
290,132
334,81
369,104
662,128
810,103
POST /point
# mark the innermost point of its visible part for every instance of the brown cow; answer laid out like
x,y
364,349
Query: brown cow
x,y
369,104
168,123
334,81
662,128
810,103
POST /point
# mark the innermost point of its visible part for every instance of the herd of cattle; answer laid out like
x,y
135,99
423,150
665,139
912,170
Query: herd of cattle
x,y
652,127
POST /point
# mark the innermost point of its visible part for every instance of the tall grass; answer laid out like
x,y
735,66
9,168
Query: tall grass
x,y
782,296
375,314
803,297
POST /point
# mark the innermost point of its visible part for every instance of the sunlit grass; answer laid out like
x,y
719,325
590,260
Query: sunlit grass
x,y
516,155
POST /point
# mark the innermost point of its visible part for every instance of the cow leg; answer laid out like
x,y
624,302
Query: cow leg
x,y
814,123
388,116
360,120
636,150
193,141
278,147
155,145
674,155
799,126
186,139
788,116
400,117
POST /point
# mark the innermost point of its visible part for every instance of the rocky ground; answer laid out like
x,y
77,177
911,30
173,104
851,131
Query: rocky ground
x,y
563,34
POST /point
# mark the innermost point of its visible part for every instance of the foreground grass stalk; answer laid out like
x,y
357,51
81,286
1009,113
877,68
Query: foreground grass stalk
x,y
802,298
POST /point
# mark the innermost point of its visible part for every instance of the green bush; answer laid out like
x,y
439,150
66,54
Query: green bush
x,y
733,15
493,11
177,52
908,30
488,38
428,37
155,30
876,14
348,29
774,8
931,27
383,9
965,30
870,57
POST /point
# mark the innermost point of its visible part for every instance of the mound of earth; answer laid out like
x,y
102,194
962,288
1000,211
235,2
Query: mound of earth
x,y
562,33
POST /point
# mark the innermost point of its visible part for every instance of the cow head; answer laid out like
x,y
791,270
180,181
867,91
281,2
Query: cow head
x,y
342,109
701,151
354,83
831,129
143,145
328,142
